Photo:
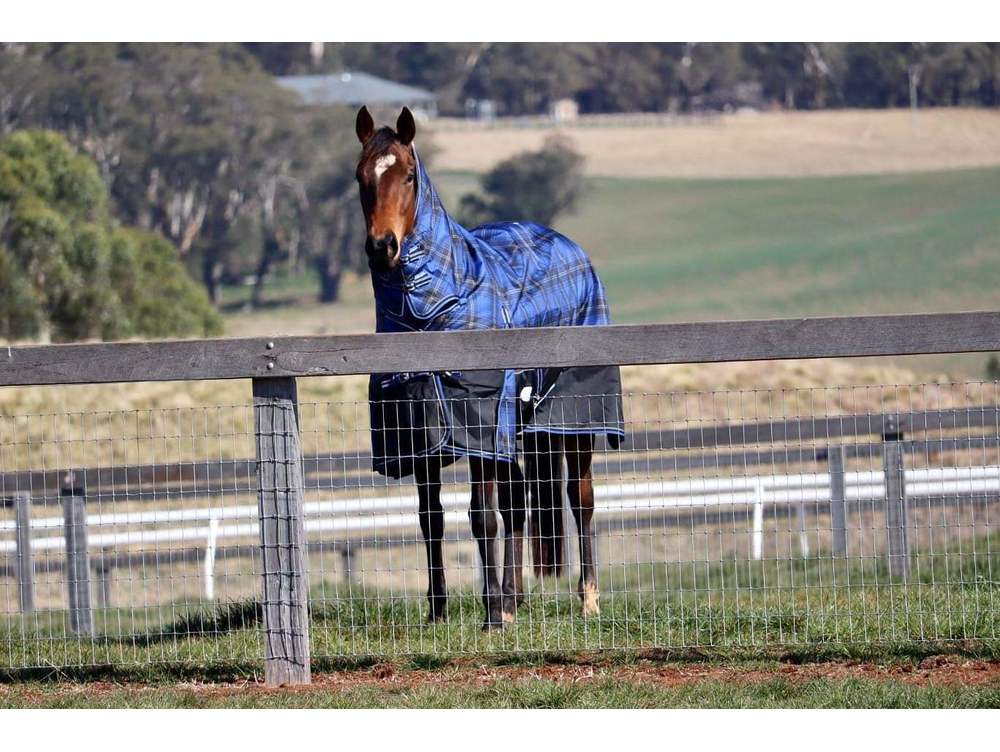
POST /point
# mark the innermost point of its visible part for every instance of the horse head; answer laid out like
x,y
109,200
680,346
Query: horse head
x,y
387,181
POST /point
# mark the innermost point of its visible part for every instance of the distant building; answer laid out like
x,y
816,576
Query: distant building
x,y
563,110
354,89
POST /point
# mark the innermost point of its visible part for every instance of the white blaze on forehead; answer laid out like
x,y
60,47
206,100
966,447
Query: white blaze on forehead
x,y
382,164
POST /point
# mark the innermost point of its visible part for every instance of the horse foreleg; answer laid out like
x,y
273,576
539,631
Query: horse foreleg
x,y
579,454
511,495
483,518
431,515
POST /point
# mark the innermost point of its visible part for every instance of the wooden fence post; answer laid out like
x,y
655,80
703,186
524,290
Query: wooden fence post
x,y
838,500
896,511
23,563
282,532
81,617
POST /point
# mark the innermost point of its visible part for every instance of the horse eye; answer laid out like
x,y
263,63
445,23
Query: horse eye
x,y
410,177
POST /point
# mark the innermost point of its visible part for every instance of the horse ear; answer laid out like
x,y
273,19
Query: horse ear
x,y
364,126
406,128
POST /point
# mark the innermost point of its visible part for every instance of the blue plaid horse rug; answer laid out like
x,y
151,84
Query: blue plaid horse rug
x,y
499,275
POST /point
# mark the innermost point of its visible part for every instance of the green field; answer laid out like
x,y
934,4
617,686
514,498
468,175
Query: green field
x,y
716,249
667,250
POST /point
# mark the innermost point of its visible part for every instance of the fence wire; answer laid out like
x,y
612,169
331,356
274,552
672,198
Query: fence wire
x,y
727,519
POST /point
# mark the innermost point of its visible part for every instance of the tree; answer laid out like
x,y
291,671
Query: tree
x,y
626,77
67,272
534,186
526,78
194,141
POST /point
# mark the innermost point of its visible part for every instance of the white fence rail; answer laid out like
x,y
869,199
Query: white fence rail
x,y
391,512
350,517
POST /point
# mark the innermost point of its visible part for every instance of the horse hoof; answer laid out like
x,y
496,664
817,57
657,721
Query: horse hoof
x,y
590,597
493,626
437,618
509,607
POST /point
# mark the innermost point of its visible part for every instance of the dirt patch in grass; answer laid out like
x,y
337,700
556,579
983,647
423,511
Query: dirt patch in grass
x,y
943,670
937,670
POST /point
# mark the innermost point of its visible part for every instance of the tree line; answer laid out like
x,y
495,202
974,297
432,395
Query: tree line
x,y
670,76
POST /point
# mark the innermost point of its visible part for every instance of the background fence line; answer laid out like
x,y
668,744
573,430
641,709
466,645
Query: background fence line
x,y
613,502
163,481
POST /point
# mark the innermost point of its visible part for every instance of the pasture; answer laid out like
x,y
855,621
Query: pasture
x,y
683,250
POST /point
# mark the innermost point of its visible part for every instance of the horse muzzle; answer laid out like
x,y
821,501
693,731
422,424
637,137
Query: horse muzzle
x,y
382,252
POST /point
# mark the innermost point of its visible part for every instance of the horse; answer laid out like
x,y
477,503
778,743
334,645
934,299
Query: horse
x,y
431,274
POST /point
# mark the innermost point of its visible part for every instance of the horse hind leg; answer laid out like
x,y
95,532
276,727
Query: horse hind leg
x,y
511,495
579,455
483,519
543,455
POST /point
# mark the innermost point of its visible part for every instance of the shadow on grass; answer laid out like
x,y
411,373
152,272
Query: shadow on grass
x,y
199,624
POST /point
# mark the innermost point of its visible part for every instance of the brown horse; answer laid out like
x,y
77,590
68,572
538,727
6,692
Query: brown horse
x,y
387,175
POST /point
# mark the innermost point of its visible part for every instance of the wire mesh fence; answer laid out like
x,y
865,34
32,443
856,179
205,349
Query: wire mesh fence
x,y
727,519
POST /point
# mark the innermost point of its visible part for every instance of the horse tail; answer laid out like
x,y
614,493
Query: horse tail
x,y
545,480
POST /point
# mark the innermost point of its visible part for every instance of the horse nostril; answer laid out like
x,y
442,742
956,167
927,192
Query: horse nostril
x,y
381,250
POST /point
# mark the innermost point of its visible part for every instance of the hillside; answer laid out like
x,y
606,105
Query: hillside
x,y
679,250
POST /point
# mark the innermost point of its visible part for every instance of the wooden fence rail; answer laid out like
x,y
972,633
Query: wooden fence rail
x,y
708,342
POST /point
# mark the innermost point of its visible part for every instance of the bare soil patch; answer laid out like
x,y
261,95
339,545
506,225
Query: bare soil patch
x,y
941,670
775,144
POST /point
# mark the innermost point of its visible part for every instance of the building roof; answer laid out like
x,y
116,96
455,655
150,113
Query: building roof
x,y
354,88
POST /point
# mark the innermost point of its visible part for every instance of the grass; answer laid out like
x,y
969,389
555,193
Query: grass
x,y
773,634
809,608
135,424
